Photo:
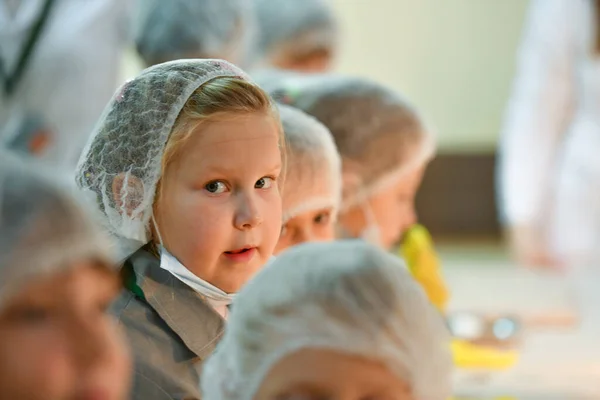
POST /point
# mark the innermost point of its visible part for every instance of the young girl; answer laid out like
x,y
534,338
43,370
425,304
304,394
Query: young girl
x,y
313,180
385,147
299,36
171,30
340,320
185,169
57,340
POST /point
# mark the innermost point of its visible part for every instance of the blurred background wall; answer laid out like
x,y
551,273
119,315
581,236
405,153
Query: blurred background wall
x,y
455,60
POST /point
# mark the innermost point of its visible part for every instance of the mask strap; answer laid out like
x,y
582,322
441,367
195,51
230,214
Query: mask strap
x,y
371,232
156,229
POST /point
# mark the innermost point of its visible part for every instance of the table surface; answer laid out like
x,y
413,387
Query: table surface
x,y
560,362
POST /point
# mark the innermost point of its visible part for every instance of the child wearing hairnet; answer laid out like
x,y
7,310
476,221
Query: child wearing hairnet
x,y
313,180
57,339
338,320
385,147
184,168
178,29
296,35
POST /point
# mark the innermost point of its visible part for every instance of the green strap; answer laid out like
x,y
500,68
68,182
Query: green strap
x,y
130,282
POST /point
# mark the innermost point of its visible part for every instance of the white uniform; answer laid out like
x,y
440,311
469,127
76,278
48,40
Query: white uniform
x,y
72,73
550,150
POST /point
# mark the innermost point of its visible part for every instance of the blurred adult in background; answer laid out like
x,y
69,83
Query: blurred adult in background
x,y
59,65
296,35
176,29
550,163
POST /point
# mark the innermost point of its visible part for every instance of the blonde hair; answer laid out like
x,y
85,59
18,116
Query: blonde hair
x,y
216,100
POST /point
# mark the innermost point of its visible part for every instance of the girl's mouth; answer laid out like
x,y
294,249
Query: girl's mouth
x,y
241,255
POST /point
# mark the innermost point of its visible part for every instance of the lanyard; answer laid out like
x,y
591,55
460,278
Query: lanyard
x,y
11,80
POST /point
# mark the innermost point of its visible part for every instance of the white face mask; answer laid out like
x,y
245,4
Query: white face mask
x,y
215,296
371,235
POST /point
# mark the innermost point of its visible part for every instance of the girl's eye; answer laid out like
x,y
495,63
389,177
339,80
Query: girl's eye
x,y
215,187
264,183
322,218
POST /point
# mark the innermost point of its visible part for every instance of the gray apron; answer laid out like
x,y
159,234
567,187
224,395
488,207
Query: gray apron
x,y
171,330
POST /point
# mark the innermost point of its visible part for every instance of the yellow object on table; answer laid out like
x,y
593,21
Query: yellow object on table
x,y
471,356
423,262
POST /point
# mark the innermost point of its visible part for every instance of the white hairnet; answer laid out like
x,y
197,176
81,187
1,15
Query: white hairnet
x,y
174,29
376,131
302,26
313,166
347,296
129,142
42,227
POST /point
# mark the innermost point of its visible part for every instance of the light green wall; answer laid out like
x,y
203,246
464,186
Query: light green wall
x,y
453,58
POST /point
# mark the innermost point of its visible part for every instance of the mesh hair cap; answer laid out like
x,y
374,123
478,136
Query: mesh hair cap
x,y
121,165
174,29
375,130
313,171
302,26
42,227
346,296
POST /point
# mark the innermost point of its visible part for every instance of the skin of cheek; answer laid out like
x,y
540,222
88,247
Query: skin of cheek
x,y
31,368
39,364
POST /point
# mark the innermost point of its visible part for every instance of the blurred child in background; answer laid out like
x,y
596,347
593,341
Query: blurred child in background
x,y
183,29
296,35
313,179
57,339
339,320
385,147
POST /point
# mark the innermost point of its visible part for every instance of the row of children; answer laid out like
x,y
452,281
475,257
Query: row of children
x,y
200,174
200,177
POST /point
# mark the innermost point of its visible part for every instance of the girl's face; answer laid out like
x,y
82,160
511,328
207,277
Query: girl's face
x,y
57,341
219,211
392,210
313,374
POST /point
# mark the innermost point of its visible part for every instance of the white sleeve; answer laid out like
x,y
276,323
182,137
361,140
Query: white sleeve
x,y
538,112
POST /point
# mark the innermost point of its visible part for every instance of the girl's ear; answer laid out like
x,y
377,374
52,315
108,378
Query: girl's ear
x,y
128,192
